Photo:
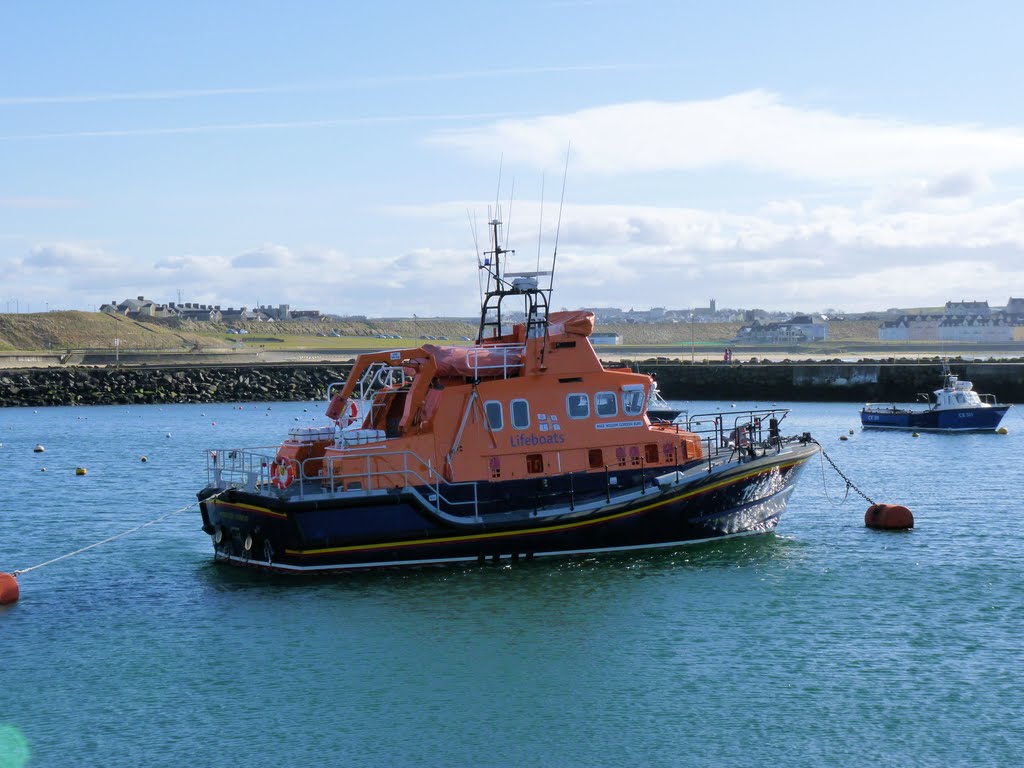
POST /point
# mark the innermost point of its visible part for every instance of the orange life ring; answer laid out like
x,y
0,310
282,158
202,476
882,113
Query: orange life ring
x,y
282,473
350,416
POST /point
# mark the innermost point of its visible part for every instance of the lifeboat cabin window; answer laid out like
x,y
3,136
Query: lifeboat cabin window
x,y
606,404
494,415
633,399
520,414
577,406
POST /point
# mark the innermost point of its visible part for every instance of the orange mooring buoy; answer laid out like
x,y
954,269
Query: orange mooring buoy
x,y
888,517
8,589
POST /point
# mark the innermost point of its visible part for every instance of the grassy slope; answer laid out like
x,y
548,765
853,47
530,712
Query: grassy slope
x,y
92,330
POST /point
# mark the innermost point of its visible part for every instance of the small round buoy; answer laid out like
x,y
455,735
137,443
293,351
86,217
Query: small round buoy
x,y
843,437
168,434
38,449
914,434
8,589
888,517
42,469
1001,431
851,431
79,470
143,459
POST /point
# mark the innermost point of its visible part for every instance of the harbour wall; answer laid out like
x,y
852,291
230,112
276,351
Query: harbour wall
x,y
828,382
823,382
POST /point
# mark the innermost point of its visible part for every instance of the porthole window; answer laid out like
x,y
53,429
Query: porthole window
x,y
520,414
606,404
493,410
577,406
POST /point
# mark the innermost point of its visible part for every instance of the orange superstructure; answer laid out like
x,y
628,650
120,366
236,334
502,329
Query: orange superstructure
x,y
510,407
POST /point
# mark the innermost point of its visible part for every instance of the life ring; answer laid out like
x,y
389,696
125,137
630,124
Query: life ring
x,y
350,416
344,413
282,473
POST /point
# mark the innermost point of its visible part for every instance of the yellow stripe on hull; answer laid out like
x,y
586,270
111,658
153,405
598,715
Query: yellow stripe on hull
x,y
546,529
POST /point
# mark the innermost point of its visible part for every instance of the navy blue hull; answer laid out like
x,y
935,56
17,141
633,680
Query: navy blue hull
x,y
398,529
952,420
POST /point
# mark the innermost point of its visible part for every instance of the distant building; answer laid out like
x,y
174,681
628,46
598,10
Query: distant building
x,y
280,312
138,307
963,308
797,330
605,338
962,321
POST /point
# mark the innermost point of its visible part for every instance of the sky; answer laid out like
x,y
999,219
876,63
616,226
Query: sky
x,y
346,157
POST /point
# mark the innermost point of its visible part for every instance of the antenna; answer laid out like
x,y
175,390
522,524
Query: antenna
x,y
497,192
508,224
479,261
540,228
558,228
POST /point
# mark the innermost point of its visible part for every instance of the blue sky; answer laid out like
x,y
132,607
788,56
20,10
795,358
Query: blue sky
x,y
786,155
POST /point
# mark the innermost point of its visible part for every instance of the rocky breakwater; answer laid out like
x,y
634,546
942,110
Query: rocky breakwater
x,y
117,386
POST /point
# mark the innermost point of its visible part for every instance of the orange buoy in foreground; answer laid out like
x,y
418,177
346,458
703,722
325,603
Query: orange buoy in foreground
x,y
8,589
888,517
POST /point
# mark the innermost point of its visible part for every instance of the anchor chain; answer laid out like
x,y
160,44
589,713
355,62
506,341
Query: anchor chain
x,y
849,483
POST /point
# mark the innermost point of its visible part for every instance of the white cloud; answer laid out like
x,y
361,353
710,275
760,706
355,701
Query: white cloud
x,y
267,256
63,256
754,130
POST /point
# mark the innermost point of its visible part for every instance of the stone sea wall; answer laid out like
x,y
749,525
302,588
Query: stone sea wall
x,y
116,386
823,382
828,382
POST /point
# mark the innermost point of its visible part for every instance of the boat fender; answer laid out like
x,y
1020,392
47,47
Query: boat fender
x,y
888,517
248,543
8,589
282,473
670,479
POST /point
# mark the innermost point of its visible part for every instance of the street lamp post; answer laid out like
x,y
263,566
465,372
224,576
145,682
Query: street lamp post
x,y
691,338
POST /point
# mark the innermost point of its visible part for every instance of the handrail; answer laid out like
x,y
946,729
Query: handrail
x,y
252,470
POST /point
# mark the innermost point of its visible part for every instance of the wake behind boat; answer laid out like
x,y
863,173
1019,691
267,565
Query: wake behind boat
x,y
954,407
522,445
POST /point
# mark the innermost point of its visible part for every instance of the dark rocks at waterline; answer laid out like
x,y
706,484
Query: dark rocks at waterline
x,y
120,386
822,382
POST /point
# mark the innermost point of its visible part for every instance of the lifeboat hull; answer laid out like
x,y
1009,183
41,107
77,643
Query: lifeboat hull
x,y
524,519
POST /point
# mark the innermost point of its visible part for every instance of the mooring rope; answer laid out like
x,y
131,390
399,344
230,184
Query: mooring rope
x,y
117,536
849,483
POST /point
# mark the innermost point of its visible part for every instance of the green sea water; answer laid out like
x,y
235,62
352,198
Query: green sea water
x,y
823,644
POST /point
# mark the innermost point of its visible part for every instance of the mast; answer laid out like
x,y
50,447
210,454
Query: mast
x,y
501,284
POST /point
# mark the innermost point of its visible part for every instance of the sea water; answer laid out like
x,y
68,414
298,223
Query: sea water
x,y
823,644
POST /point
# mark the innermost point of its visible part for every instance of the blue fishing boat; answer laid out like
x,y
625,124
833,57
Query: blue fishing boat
x,y
955,407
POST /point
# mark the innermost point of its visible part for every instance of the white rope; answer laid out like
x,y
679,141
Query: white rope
x,y
118,536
